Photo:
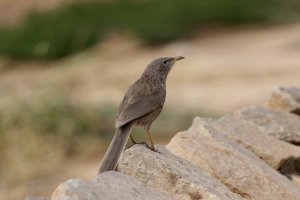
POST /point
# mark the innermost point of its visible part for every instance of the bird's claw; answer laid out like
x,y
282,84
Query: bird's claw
x,y
152,148
143,143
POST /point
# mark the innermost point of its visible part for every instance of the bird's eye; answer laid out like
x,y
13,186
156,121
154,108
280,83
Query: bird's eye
x,y
165,62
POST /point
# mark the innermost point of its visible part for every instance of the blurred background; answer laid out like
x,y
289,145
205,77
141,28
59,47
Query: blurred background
x,y
66,64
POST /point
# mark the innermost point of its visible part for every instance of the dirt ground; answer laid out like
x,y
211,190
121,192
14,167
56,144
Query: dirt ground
x,y
12,12
223,71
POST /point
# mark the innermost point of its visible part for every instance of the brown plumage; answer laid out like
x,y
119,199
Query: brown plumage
x,y
140,106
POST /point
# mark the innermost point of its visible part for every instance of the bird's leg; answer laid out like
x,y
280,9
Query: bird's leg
x,y
132,140
152,145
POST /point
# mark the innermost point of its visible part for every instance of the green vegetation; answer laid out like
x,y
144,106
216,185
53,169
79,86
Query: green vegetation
x,y
57,116
76,27
37,135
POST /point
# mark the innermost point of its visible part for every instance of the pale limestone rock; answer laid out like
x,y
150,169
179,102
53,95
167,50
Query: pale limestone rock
x,y
285,98
166,171
280,124
235,166
280,155
108,186
36,198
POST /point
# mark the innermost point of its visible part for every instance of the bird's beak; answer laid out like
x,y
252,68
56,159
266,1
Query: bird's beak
x,y
175,59
178,58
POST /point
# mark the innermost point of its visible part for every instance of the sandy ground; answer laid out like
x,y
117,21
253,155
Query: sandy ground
x,y
223,70
11,12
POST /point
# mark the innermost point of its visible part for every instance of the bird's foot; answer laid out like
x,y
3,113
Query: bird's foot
x,y
152,148
143,143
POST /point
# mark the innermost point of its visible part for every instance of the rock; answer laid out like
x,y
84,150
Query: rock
x,y
291,169
282,125
234,165
281,155
273,151
36,198
108,185
166,171
285,98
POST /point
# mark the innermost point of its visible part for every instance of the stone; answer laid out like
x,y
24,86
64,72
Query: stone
x,y
280,155
285,98
234,165
108,186
280,124
168,172
36,198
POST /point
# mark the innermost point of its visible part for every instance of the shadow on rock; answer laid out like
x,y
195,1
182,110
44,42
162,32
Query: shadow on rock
x,y
291,166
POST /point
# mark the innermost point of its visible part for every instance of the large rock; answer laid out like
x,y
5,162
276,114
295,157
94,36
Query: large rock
x,y
282,125
165,171
285,98
235,166
36,198
280,155
108,186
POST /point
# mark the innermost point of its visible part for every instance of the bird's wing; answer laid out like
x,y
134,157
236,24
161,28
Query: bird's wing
x,y
137,103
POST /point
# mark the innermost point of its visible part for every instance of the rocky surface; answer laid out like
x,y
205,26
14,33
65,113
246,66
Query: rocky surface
x,y
280,155
280,124
165,171
273,151
285,98
249,154
109,185
235,166
36,198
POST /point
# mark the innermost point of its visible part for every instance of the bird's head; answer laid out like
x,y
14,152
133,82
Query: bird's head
x,y
162,66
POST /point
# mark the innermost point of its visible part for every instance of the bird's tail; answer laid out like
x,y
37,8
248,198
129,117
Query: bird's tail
x,y
115,149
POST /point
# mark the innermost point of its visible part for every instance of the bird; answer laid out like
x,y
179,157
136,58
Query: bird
x,y
140,106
